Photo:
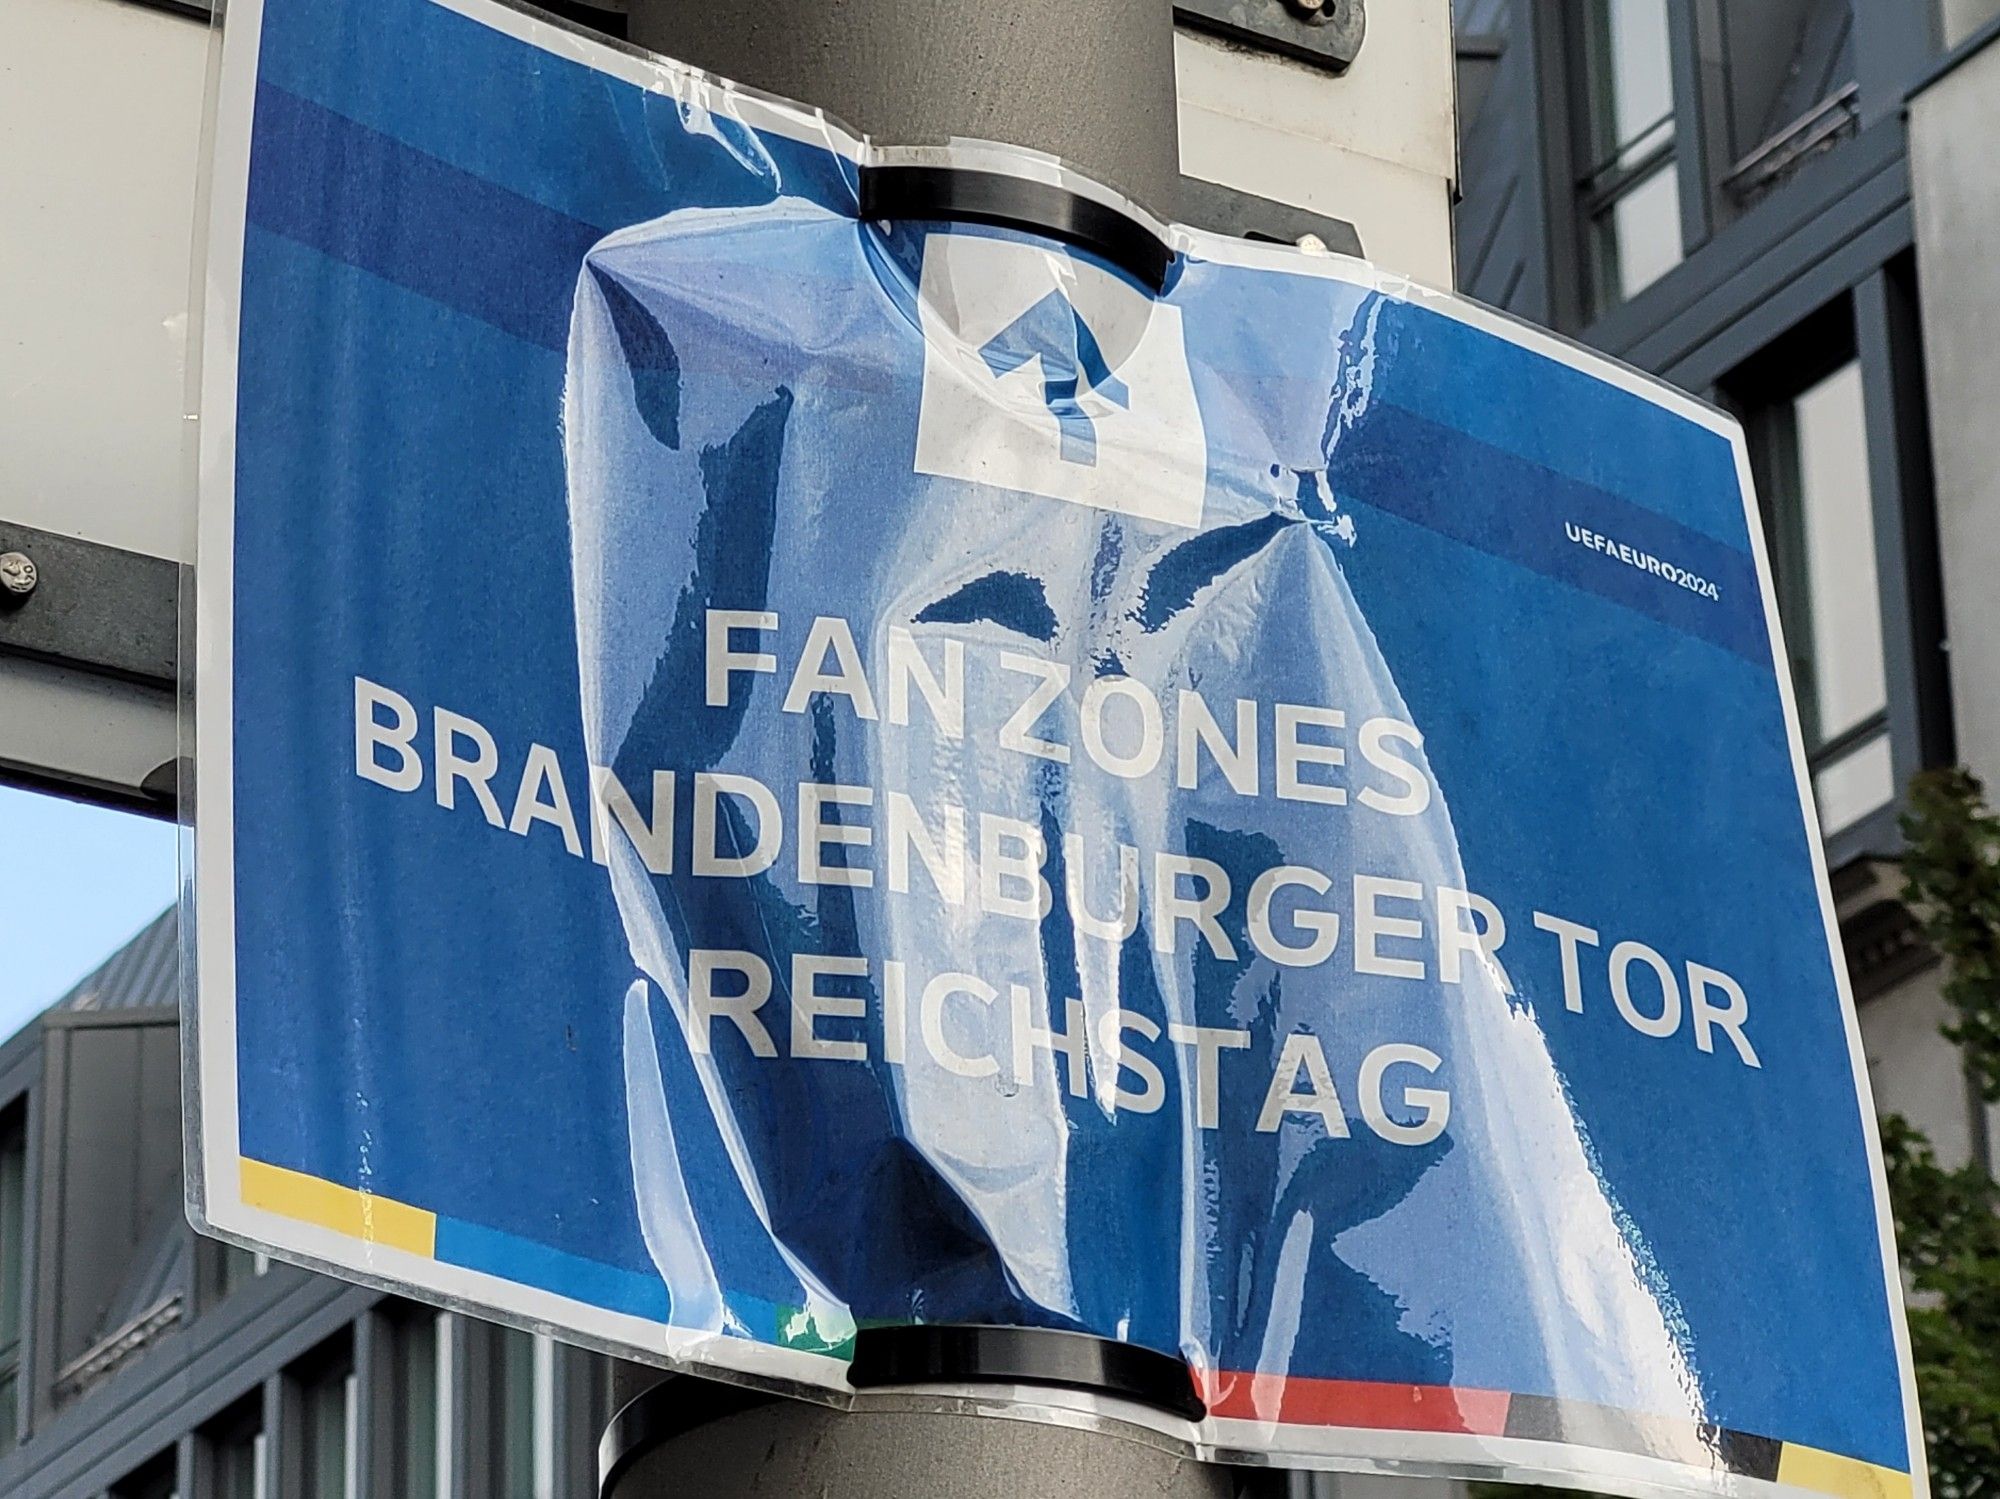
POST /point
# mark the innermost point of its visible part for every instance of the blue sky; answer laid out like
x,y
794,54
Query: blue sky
x,y
75,882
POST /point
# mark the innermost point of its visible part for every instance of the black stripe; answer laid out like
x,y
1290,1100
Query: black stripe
x,y
1702,1445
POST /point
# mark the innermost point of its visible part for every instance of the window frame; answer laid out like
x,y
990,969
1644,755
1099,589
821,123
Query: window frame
x,y
1558,45
1874,322
240,1428
1599,182
15,1136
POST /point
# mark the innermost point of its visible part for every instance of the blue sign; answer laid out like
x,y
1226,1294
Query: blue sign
x,y
761,773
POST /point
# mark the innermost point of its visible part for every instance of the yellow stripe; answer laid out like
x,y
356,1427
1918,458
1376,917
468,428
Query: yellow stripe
x,y
359,1215
1843,1477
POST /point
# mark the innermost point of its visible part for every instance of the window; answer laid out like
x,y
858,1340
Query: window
x,y
524,1416
13,1267
422,1398
327,1432
157,1480
235,1454
1629,188
1820,511
237,1266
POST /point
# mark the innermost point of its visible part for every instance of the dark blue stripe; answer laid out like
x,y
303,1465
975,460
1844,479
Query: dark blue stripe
x,y
1514,509
361,197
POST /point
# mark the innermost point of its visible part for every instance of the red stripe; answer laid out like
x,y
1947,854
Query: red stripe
x,y
1349,1402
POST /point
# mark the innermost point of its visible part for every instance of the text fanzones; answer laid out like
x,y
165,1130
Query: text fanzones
x,y
974,864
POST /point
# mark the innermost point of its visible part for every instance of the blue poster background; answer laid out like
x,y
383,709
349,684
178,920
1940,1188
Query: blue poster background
x,y
430,1010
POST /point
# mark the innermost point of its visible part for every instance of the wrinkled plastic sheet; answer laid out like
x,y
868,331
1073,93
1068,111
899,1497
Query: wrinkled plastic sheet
x,y
762,774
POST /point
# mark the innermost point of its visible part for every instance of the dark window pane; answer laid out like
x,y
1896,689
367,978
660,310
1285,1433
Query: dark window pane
x,y
236,1458
13,1268
155,1481
418,1403
326,1427
523,1417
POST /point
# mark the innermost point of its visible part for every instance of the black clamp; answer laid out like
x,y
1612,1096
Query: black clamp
x,y
893,193
1024,1356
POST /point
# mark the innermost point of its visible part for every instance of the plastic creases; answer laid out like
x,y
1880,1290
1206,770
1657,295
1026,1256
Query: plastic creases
x,y
854,774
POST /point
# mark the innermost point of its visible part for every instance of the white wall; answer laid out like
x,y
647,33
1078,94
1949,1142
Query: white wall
x,y
1963,17
1377,146
100,131
1913,1070
1956,185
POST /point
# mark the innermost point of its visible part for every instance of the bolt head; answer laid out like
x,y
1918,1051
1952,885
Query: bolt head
x,y
18,575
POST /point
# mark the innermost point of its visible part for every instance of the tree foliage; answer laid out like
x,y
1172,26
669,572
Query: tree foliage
x,y
1948,1221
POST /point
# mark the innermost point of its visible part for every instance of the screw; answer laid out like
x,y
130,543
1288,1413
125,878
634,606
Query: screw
x,y
18,575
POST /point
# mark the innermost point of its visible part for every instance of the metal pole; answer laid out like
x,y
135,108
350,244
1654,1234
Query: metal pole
x,y
1091,81
786,1450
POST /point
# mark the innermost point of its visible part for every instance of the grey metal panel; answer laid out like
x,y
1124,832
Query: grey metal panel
x,y
1888,334
1755,45
1895,43
376,1394
1481,16
20,1063
580,1415
143,974
93,606
1499,221
1831,200
99,1219
1553,286
1228,210
1700,159
1822,59
1756,320
51,1115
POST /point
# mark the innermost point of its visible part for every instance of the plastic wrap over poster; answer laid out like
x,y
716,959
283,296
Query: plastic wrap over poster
x,y
762,773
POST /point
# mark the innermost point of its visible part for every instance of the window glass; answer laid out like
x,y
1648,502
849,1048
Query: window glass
x,y
155,1481
239,1267
524,1416
1849,681
326,1432
1823,552
1854,785
1629,188
420,1395
1632,77
1639,235
236,1458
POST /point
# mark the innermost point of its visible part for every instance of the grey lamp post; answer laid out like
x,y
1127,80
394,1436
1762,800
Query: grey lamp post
x,y
1091,81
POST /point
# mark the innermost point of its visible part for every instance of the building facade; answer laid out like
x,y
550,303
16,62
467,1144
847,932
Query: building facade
x,y
1784,206
1721,192
140,1360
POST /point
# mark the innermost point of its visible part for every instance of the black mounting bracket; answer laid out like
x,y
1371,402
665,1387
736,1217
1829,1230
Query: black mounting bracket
x,y
1326,33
